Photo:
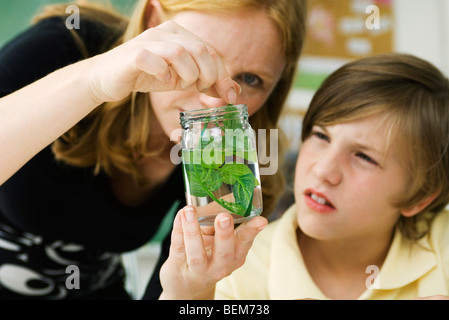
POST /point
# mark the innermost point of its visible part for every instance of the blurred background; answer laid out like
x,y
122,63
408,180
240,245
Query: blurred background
x,y
337,32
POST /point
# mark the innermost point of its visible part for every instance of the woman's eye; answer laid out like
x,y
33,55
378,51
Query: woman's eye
x,y
366,158
250,79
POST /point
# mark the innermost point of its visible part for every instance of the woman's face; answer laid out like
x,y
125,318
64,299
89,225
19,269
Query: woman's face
x,y
250,47
345,183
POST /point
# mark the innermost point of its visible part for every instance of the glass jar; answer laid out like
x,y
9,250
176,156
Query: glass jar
x,y
219,157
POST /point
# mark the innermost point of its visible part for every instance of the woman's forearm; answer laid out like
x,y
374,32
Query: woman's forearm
x,y
36,115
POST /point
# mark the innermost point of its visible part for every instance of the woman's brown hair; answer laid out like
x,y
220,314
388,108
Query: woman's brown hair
x,y
414,97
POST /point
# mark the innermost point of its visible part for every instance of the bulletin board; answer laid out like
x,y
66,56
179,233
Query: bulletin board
x,y
338,28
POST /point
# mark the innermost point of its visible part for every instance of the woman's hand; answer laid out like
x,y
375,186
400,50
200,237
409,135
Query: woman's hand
x,y
199,258
164,58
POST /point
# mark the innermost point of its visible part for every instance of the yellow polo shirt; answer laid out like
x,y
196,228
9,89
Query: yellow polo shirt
x,y
275,269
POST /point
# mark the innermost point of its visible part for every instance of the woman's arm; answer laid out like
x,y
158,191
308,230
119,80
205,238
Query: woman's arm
x,y
36,115
164,58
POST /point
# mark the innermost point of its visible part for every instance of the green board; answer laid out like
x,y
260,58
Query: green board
x,y
16,15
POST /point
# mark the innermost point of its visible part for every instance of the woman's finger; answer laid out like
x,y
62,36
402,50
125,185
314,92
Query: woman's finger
x,y
211,69
202,54
180,48
224,245
179,58
226,88
177,248
245,235
154,65
196,256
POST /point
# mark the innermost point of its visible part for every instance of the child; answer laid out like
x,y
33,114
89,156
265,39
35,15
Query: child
x,y
371,185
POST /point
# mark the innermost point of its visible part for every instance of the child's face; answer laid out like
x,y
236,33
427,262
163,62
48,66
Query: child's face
x,y
346,182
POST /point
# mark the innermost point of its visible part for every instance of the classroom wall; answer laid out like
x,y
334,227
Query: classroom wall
x,y
415,26
422,28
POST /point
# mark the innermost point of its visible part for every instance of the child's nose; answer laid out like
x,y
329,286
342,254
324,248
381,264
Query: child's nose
x,y
328,168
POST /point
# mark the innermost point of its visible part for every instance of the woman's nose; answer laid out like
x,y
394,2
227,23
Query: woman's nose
x,y
210,102
328,169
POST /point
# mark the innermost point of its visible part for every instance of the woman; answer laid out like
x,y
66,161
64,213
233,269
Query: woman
x,y
86,172
371,185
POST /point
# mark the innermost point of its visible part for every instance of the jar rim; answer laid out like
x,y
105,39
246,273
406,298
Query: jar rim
x,y
216,110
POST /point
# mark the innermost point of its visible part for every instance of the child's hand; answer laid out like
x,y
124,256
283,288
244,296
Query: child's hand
x,y
199,258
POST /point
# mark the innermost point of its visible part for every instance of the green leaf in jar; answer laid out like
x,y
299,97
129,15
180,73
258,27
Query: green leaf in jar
x,y
243,191
234,171
202,181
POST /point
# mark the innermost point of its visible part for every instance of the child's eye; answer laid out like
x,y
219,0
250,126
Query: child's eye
x,y
366,158
321,136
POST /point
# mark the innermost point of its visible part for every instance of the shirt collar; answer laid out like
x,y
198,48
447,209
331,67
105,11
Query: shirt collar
x,y
289,278
406,261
